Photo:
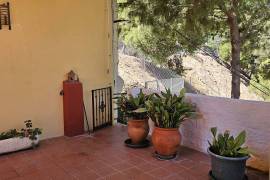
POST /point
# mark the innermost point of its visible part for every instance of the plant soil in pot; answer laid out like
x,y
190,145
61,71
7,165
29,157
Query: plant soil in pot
x,y
228,158
134,109
168,111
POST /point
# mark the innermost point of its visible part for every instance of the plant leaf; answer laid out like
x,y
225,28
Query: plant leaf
x,y
214,131
240,139
140,110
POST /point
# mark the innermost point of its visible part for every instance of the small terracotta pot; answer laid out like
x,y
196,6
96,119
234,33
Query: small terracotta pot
x,y
138,130
166,141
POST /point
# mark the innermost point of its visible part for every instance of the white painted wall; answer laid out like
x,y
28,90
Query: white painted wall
x,y
228,114
233,115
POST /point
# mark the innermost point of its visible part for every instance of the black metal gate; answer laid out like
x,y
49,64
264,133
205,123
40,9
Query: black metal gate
x,y
102,107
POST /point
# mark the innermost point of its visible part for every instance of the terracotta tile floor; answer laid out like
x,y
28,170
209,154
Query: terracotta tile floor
x,y
103,156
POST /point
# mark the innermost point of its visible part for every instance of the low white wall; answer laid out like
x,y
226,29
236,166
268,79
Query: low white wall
x,y
233,115
228,114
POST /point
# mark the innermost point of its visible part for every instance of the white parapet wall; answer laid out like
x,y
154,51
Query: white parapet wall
x,y
228,114
233,115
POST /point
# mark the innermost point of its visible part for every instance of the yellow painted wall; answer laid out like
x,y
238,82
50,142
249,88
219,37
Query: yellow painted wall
x,y
49,38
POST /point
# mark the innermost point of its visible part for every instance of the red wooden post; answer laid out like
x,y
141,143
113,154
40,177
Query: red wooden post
x,y
73,108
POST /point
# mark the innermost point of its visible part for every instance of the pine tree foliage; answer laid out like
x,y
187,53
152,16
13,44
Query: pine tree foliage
x,y
170,26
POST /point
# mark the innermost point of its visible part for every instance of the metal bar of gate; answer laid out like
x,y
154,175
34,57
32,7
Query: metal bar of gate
x,y
93,109
110,95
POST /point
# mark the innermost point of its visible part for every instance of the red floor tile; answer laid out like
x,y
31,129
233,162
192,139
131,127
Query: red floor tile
x,y
105,171
146,167
160,173
133,173
116,176
188,164
123,165
9,174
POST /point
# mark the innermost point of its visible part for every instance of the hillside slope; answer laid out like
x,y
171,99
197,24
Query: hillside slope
x,y
205,75
210,78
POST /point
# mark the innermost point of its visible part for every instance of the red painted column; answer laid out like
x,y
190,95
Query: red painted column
x,y
73,108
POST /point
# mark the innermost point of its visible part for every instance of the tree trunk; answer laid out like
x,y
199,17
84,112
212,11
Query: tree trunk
x,y
236,48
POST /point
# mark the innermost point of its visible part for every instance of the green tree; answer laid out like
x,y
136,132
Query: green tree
x,y
189,24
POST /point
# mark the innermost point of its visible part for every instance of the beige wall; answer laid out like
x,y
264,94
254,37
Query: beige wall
x,y
49,38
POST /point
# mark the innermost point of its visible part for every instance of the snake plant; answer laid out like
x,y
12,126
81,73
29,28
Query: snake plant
x,y
228,146
168,110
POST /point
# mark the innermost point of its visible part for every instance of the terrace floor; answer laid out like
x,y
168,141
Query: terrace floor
x,y
103,156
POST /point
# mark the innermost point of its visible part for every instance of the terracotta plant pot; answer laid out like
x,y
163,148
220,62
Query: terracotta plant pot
x,y
138,130
166,141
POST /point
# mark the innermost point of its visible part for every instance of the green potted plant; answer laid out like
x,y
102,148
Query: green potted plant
x,y
168,111
134,110
228,156
14,140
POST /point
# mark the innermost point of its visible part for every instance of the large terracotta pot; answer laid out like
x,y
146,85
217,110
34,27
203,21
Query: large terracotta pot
x,y
138,130
166,141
